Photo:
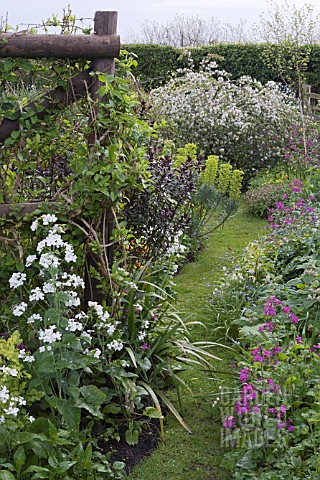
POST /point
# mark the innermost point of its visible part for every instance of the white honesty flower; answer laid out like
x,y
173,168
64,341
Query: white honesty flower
x,y
34,225
49,335
30,259
74,300
69,255
17,279
53,240
142,335
115,345
73,325
18,310
49,218
4,394
11,411
34,317
25,357
48,260
48,288
36,294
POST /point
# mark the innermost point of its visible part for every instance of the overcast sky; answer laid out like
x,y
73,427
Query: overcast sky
x,y
131,13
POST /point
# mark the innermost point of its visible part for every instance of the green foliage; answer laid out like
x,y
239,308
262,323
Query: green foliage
x,y
209,174
189,150
261,199
238,59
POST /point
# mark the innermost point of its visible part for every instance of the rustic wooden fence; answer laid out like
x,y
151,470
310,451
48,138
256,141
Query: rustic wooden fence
x,y
311,100
101,48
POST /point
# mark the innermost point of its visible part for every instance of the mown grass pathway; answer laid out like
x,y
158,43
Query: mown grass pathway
x,y
197,457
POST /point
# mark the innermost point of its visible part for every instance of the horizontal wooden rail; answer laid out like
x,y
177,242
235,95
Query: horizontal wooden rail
x,y
59,46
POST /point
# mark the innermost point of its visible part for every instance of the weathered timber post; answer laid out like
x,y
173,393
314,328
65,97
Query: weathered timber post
x,y
105,23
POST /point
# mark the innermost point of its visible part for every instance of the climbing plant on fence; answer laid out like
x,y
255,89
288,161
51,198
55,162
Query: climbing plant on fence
x,y
69,146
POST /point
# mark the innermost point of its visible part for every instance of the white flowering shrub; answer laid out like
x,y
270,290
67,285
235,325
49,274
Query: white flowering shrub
x,y
243,122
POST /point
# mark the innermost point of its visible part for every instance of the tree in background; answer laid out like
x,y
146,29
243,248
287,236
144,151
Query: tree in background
x,y
288,33
193,31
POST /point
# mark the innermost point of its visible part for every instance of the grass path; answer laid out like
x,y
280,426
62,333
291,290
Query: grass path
x,y
197,457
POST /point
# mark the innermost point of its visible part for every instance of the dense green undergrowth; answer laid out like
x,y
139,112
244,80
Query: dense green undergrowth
x,y
198,456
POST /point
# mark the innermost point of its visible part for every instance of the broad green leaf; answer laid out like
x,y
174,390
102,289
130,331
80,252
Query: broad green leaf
x,y
7,476
152,412
93,394
132,437
19,457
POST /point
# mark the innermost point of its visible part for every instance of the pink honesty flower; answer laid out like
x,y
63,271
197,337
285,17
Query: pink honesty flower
x,y
270,382
241,408
244,374
229,422
294,318
269,311
290,428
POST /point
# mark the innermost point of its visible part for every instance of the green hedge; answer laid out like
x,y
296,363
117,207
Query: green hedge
x,y
156,62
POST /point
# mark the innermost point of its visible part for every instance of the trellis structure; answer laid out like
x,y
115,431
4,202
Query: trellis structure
x,y
102,48
311,100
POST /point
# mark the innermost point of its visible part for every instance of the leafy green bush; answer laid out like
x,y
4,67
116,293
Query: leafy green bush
x,y
156,62
261,199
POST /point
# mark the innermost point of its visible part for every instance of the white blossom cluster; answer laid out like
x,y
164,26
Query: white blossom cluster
x,y
103,316
241,121
10,405
52,252
176,249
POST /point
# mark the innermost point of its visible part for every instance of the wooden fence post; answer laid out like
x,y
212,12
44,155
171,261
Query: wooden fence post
x,y
105,23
